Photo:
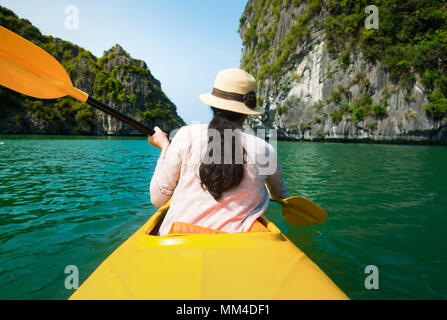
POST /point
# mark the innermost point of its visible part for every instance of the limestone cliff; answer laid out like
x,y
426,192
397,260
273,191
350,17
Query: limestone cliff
x,y
323,76
122,82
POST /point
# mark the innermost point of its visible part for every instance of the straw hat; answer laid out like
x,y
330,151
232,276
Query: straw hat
x,y
234,90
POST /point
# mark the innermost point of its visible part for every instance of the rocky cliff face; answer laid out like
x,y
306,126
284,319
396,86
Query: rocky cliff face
x,y
312,93
124,83
140,95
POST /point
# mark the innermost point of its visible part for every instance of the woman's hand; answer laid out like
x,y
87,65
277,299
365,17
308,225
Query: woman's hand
x,y
159,139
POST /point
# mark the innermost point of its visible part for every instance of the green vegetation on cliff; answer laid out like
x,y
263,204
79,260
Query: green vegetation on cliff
x,y
263,59
118,85
411,41
437,108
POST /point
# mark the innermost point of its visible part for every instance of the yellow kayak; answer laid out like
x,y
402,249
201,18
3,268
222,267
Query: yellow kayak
x,y
250,265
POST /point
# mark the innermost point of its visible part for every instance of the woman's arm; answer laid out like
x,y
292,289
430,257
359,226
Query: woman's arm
x,y
277,185
167,171
275,182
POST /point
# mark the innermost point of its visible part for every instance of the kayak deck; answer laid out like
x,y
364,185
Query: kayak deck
x,y
253,265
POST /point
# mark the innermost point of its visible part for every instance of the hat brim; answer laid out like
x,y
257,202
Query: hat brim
x,y
229,105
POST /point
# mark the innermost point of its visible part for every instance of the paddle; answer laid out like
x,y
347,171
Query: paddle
x,y
301,212
28,69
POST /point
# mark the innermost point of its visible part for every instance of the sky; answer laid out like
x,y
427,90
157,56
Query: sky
x,y
184,42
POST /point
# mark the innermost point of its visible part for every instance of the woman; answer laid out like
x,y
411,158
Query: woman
x,y
216,174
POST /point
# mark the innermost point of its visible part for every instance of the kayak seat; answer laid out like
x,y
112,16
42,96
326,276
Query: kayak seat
x,y
183,227
258,226
188,228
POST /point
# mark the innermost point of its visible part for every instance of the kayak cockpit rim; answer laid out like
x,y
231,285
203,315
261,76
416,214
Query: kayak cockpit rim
x,y
150,229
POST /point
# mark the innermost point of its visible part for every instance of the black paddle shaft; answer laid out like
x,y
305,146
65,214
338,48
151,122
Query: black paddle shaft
x,y
118,115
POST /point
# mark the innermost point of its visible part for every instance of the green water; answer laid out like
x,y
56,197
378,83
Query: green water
x,y
72,201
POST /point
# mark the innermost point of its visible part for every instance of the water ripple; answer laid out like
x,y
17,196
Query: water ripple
x,y
73,200
67,201
387,206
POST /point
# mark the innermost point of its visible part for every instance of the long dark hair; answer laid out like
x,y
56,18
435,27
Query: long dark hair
x,y
220,177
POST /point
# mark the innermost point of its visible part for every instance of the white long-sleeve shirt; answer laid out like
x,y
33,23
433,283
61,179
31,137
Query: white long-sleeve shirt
x,y
176,176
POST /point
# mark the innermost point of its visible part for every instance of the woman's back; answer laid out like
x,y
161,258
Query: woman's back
x,y
177,175
217,174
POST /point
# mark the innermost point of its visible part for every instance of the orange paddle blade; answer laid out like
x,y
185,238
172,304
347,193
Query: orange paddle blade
x,y
301,212
28,69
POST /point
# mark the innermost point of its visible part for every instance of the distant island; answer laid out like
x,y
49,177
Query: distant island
x,y
117,79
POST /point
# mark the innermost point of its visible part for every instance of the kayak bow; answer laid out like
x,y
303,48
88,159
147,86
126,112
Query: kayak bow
x,y
250,265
